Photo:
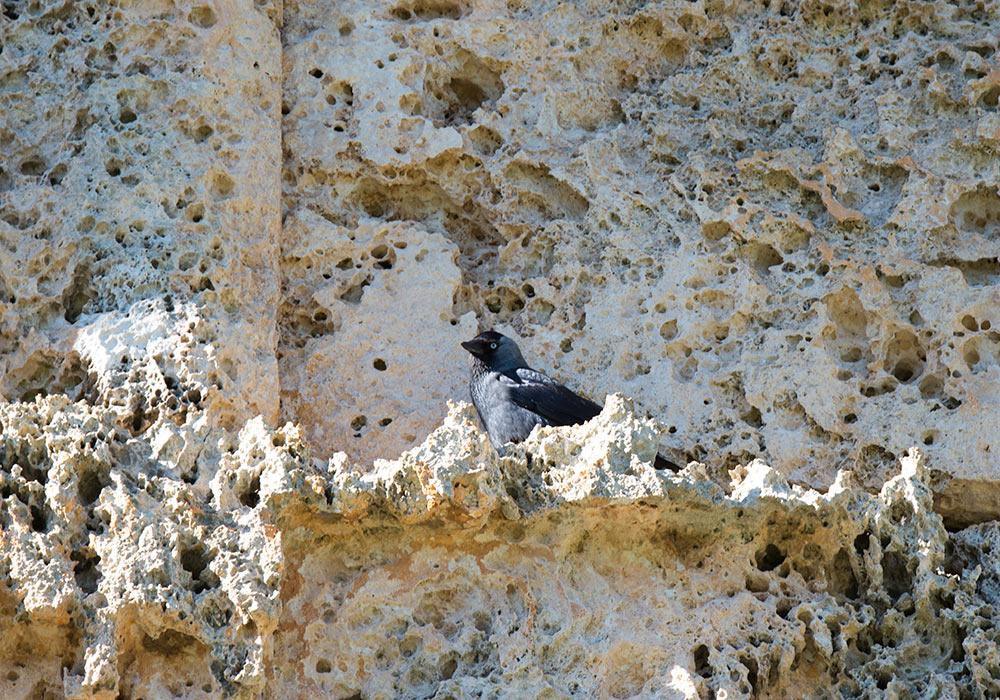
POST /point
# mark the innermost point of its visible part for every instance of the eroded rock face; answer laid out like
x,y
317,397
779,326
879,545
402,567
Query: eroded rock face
x,y
450,572
140,174
774,226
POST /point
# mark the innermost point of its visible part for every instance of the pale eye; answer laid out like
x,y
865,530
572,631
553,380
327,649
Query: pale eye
x,y
493,346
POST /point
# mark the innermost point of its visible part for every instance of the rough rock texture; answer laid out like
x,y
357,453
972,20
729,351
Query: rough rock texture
x,y
773,225
450,573
139,199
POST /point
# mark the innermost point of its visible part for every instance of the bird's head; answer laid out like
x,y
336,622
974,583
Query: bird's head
x,y
495,350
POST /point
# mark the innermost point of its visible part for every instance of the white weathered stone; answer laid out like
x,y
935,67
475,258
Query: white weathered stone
x,y
772,227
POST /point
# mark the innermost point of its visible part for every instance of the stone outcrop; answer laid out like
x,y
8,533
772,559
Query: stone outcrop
x,y
241,241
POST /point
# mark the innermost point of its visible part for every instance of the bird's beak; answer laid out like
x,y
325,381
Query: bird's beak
x,y
475,346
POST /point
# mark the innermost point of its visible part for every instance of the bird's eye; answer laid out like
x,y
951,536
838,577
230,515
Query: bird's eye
x,y
493,346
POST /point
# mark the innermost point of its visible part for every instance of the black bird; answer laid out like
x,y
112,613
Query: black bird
x,y
511,398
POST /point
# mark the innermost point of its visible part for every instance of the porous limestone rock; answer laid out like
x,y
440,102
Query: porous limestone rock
x,y
139,173
773,225
453,573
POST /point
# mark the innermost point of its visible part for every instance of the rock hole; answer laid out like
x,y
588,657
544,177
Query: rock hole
x,y
85,570
438,9
169,643
250,496
355,292
202,16
861,543
32,165
751,665
984,272
769,558
447,668
323,666
39,520
715,230
33,466
701,665
958,650
970,355
57,174
141,419
470,95
841,575
484,140
905,355
991,97
668,330
195,561
126,116
932,387
77,293
753,417
90,485
978,211
379,364
895,574
222,185
541,192
761,256
202,133
756,582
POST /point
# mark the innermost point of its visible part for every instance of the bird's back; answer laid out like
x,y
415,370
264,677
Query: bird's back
x,y
505,421
512,402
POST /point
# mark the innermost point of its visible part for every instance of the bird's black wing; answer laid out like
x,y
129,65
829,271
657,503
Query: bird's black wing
x,y
661,462
541,395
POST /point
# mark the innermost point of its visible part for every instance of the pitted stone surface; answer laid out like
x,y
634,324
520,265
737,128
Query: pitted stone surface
x,y
139,164
254,570
772,226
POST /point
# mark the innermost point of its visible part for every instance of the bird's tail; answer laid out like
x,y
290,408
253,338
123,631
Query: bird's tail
x,y
662,462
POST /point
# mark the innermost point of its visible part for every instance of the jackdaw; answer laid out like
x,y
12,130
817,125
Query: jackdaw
x,y
511,398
